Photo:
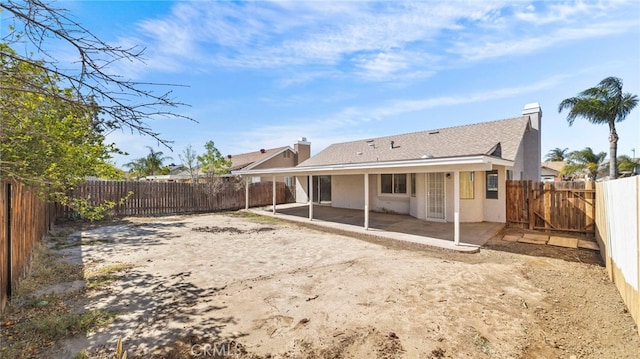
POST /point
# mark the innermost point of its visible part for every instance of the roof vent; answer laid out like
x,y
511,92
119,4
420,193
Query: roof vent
x,y
434,132
427,156
229,156
393,145
262,150
359,153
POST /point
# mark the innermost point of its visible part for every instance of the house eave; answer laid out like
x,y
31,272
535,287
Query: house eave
x,y
466,163
267,158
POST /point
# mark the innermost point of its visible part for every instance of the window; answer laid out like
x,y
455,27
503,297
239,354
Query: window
x,y
413,185
393,184
466,185
492,184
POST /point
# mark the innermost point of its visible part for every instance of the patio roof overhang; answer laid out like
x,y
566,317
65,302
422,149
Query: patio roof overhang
x,y
449,164
441,164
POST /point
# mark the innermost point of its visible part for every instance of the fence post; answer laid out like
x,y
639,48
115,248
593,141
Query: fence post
x,y
547,205
532,216
589,199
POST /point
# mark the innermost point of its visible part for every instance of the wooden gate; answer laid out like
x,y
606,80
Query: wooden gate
x,y
552,206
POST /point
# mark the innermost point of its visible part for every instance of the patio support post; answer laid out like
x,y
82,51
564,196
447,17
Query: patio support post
x,y
310,177
456,207
366,201
273,191
246,193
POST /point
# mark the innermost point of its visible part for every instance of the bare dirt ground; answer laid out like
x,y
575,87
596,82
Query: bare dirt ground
x,y
225,284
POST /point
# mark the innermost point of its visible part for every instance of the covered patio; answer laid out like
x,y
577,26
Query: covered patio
x,y
387,225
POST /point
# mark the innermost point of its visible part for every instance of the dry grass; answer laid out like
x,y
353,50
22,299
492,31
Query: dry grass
x,y
257,218
46,270
32,323
98,277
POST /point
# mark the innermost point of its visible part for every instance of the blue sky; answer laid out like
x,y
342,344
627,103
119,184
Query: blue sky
x,y
263,74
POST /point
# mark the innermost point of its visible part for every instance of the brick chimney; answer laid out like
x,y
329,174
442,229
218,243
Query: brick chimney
x,y
302,149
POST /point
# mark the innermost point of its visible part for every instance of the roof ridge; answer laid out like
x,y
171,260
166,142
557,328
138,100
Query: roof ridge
x,y
258,151
435,129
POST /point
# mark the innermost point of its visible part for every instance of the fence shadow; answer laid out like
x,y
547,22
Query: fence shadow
x,y
154,310
154,313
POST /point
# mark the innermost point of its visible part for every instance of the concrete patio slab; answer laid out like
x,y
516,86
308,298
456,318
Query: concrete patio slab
x,y
391,226
567,242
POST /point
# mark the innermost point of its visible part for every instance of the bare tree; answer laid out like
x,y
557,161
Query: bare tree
x,y
123,103
189,159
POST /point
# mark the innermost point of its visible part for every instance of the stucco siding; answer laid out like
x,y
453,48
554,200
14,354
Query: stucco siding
x,y
278,161
387,202
471,209
494,209
518,165
347,191
531,149
302,189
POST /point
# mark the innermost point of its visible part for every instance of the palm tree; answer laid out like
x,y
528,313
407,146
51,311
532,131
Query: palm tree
x,y
137,167
149,165
556,154
154,161
584,161
603,104
627,164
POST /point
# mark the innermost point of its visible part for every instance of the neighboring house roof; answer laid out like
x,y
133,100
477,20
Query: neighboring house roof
x,y
170,177
175,169
246,161
497,138
553,166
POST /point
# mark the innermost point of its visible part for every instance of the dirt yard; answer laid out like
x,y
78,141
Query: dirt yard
x,y
231,284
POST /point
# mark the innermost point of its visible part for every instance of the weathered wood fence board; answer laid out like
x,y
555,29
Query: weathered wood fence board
x,y
26,218
158,198
552,206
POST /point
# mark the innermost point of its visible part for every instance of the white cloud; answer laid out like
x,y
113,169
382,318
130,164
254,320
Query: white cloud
x,y
376,41
494,48
264,35
565,11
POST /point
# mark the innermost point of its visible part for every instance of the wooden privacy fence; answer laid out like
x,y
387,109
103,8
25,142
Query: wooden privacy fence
x,y
156,198
552,206
26,218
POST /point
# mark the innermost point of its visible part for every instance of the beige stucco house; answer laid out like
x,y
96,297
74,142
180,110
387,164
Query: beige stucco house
x,y
279,157
454,174
551,171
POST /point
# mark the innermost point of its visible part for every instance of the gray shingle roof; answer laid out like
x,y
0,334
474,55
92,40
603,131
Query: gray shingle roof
x,y
244,160
468,140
